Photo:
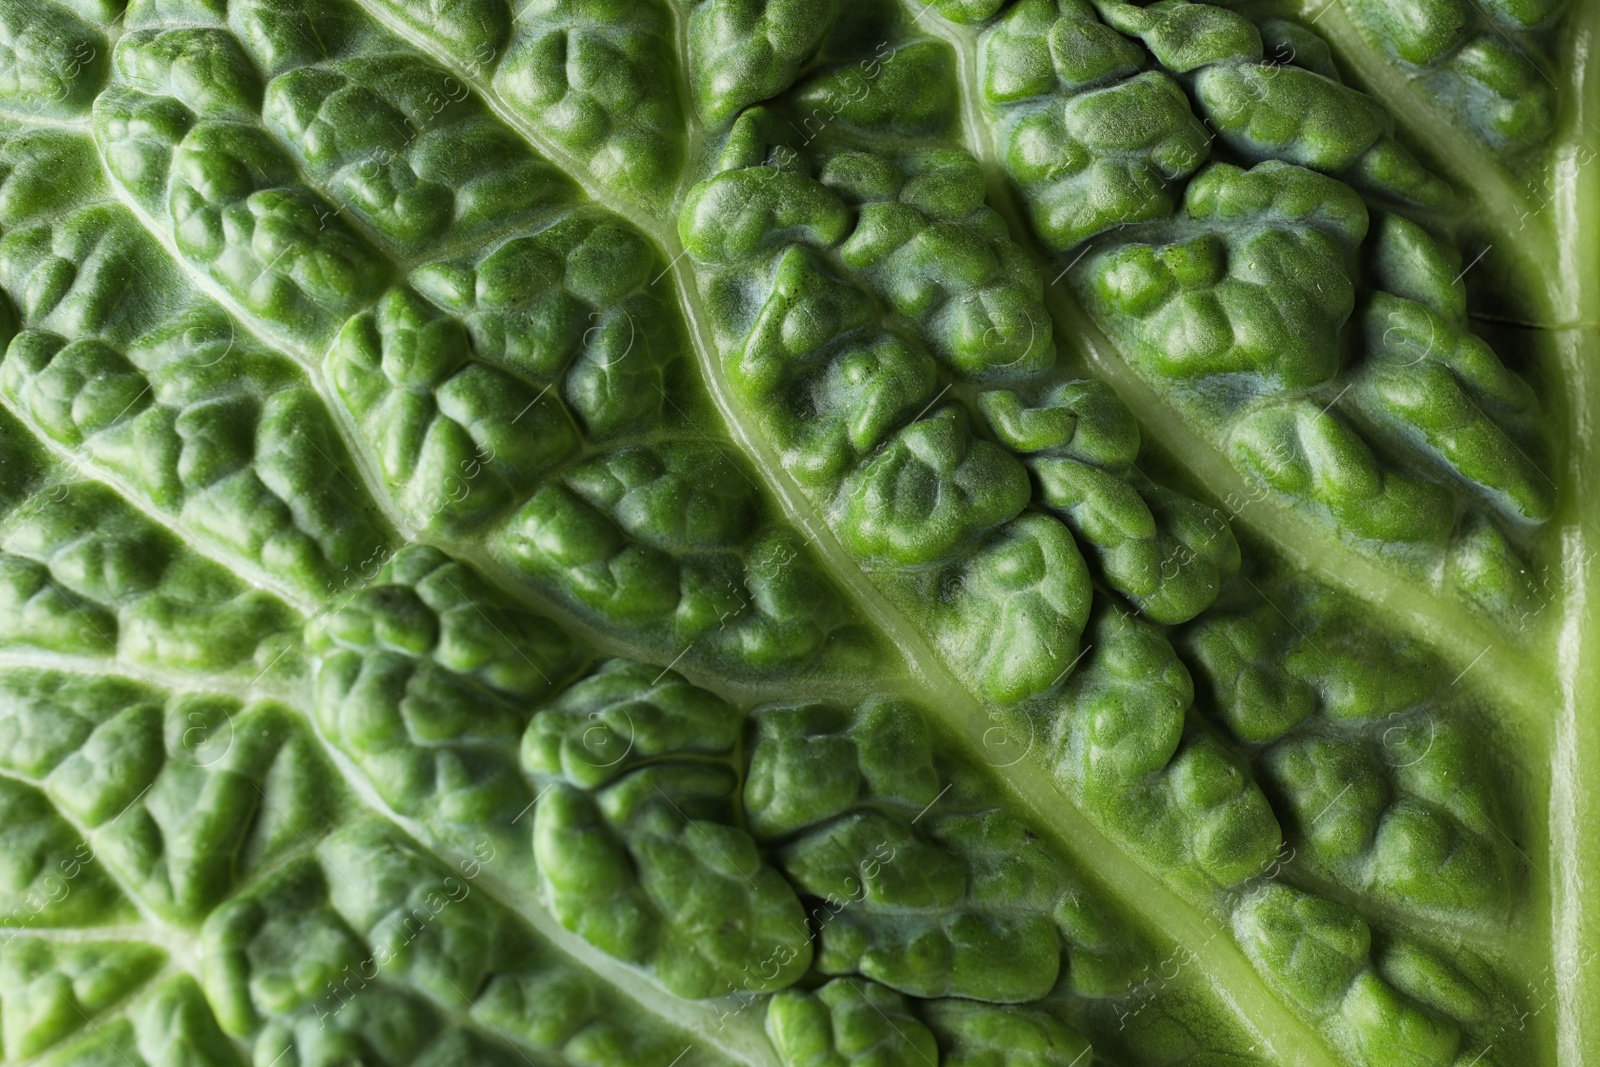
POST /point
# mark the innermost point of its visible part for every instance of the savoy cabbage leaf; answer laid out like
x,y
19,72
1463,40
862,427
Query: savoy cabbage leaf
x,y
798,533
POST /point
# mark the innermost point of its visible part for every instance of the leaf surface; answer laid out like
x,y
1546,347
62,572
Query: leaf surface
x,y
983,533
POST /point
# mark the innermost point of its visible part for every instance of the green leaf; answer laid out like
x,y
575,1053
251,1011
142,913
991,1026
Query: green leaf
x,y
751,533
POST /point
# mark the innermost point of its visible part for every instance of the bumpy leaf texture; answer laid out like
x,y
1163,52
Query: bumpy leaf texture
x,y
799,533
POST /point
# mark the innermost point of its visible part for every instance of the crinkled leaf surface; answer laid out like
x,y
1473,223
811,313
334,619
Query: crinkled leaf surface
x,y
795,533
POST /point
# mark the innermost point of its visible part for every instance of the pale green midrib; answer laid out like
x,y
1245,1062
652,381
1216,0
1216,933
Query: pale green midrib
x,y
1539,327
1574,851
26,122
84,935
1574,846
1043,799
238,685
697,133
959,716
1044,803
693,1018
1504,206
